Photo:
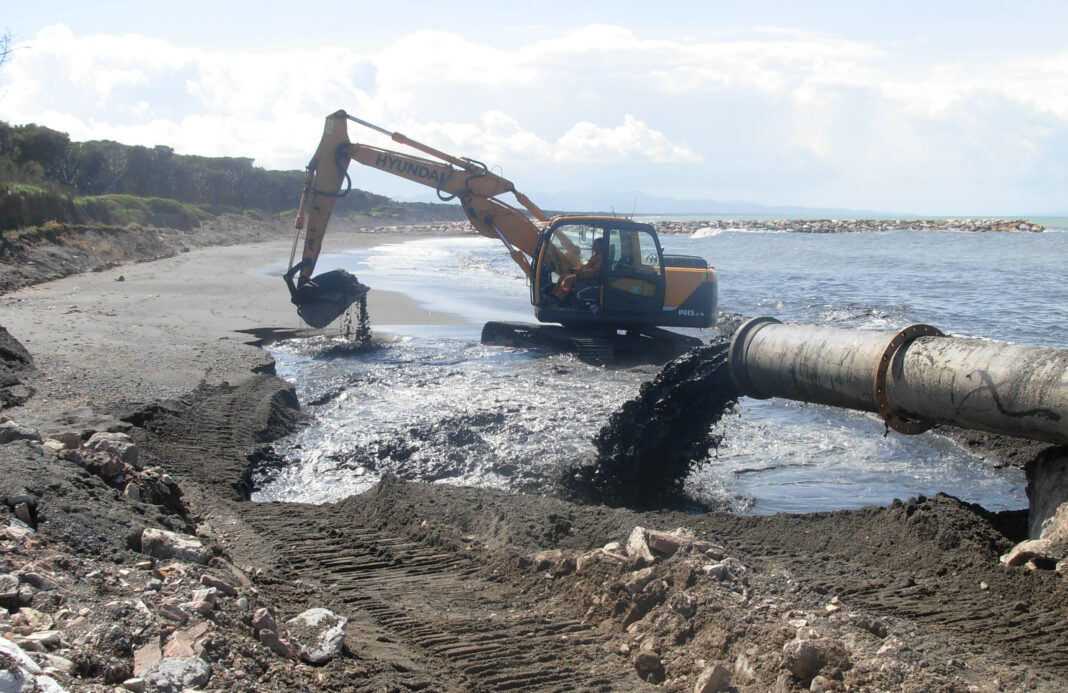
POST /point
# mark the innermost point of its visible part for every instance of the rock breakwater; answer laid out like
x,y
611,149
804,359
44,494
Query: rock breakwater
x,y
851,225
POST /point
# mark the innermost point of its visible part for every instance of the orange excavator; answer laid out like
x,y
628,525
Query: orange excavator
x,y
633,285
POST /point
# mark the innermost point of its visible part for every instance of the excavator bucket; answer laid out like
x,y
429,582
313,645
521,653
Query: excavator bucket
x,y
322,299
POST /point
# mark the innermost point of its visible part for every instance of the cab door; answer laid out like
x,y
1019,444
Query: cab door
x,y
634,277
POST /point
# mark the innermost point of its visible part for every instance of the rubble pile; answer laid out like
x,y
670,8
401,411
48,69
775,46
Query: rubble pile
x,y
688,616
179,616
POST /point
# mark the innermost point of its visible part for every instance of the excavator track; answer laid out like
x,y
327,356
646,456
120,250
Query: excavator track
x,y
598,347
457,630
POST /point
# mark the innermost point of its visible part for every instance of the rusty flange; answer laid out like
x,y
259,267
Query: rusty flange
x,y
882,400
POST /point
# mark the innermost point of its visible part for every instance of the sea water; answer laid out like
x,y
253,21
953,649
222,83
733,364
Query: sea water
x,y
433,404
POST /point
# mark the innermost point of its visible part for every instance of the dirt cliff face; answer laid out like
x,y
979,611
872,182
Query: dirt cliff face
x,y
60,250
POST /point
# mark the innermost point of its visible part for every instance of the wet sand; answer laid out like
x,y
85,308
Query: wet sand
x,y
170,324
469,589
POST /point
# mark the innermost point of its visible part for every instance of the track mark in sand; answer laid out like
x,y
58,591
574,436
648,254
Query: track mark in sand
x,y
466,631
974,616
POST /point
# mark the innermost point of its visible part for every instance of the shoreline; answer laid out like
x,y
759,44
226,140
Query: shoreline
x,y
445,588
155,330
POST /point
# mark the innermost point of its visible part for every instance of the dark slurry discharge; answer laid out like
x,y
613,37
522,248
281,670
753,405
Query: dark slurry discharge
x,y
650,444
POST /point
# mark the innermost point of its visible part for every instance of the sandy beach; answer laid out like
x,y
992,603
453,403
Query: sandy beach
x,y
155,330
443,588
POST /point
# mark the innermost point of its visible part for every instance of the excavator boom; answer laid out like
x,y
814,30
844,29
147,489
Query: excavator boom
x,y
452,177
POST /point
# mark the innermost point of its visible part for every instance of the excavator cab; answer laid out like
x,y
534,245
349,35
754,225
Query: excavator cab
x,y
631,290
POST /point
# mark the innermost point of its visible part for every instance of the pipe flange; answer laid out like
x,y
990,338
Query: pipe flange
x,y
882,400
736,355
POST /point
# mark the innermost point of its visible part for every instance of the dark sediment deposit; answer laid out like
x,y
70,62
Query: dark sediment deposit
x,y
649,445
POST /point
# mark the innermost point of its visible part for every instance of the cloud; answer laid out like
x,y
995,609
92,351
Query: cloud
x,y
768,114
632,140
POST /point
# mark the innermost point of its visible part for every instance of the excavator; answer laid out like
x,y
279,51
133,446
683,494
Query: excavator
x,y
631,286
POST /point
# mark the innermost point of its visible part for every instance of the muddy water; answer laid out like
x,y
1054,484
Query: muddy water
x,y
435,405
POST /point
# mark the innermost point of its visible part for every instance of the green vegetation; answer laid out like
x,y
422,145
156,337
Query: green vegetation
x,y
45,176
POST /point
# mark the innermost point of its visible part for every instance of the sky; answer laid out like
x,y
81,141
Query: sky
x,y
921,107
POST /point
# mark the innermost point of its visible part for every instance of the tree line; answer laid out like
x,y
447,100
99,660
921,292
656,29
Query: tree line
x,y
43,157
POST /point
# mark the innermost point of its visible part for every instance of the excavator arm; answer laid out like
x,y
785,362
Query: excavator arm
x,y
453,177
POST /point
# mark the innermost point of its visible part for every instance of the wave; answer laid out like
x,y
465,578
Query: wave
x,y
709,232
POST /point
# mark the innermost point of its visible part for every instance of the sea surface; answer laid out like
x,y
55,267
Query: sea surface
x,y
433,404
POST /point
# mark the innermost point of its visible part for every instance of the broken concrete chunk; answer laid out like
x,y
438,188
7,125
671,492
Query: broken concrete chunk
x,y
1042,549
147,657
318,634
53,447
635,582
637,547
712,679
226,588
163,544
264,620
19,656
119,444
663,542
174,674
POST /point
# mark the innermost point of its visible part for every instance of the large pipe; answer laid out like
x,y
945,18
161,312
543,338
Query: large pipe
x,y
913,378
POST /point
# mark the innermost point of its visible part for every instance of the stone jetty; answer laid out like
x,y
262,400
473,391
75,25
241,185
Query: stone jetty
x,y
851,225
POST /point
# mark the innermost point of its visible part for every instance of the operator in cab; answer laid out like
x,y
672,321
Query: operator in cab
x,y
587,273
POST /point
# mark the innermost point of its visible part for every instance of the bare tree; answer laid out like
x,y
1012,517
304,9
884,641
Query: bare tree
x,y
5,46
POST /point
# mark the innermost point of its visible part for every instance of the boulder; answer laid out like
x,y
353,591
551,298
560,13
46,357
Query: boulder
x,y
264,620
1033,549
648,666
11,431
802,658
18,656
668,543
174,675
807,658
712,679
9,587
12,680
135,684
39,581
318,634
53,447
637,547
163,544
119,444
219,584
